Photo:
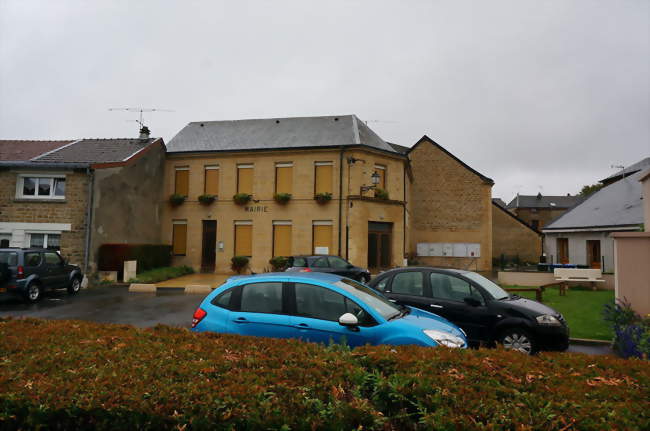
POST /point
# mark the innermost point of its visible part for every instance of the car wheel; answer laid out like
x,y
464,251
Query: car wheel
x,y
75,286
518,339
34,292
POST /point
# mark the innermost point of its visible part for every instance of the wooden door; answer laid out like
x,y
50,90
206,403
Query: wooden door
x,y
379,245
209,246
593,254
563,250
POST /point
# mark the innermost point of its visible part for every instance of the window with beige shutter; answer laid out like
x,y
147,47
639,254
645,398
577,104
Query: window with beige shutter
x,y
244,238
245,179
381,171
182,181
211,186
283,177
179,237
323,178
322,237
281,238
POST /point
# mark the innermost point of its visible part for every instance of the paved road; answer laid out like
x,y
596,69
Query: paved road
x,y
118,305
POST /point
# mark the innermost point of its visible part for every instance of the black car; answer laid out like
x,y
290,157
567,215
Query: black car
x,y
331,264
30,271
486,312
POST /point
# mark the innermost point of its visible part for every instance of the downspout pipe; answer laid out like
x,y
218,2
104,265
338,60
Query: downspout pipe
x,y
89,217
340,199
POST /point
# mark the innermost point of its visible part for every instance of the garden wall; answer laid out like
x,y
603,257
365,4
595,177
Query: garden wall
x,y
516,278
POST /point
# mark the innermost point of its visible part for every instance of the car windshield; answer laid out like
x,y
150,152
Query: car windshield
x,y
299,261
10,258
493,289
371,298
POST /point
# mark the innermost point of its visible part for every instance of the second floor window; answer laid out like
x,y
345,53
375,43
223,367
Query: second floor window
x,y
41,187
381,171
323,181
211,186
182,181
283,177
245,179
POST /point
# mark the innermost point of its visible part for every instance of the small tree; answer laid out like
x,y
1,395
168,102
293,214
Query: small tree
x,y
242,198
279,263
239,263
282,198
207,199
381,194
176,199
590,189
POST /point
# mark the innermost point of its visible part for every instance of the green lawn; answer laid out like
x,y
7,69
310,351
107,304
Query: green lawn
x,y
581,307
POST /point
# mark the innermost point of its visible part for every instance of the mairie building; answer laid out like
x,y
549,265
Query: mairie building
x,y
320,185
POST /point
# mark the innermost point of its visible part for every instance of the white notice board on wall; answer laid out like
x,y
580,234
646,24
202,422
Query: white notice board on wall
x,y
449,249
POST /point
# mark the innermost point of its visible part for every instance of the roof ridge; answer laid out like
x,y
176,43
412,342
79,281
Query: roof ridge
x,y
272,118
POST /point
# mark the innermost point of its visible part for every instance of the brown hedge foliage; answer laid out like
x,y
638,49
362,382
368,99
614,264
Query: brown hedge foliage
x,y
81,375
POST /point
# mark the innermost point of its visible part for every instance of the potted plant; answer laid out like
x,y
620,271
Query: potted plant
x,y
381,194
242,198
279,263
323,198
238,263
177,199
207,199
282,198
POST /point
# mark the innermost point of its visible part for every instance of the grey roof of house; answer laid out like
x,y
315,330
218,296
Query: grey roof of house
x,y
95,151
499,201
399,148
541,201
16,150
616,205
276,133
636,167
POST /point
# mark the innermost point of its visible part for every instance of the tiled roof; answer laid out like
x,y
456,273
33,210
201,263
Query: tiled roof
x,y
400,148
96,151
541,201
499,201
13,150
636,167
276,133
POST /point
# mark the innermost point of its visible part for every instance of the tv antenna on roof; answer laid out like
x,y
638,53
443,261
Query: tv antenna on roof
x,y
141,111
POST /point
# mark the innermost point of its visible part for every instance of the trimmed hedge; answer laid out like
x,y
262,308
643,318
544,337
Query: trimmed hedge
x,y
81,375
111,257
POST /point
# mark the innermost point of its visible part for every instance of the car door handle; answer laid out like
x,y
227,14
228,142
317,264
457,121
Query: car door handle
x,y
302,326
393,300
436,306
241,320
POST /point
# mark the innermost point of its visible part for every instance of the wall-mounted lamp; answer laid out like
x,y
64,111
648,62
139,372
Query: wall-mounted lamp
x,y
375,180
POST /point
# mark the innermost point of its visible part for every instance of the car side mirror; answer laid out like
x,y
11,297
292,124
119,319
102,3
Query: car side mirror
x,y
349,320
472,301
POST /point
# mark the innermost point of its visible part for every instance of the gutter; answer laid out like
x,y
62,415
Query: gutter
x,y
43,165
89,217
340,197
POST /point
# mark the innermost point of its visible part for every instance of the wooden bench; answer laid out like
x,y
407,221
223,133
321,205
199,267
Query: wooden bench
x,y
566,275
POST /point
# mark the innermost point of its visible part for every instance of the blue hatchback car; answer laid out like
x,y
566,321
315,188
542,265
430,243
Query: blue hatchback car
x,y
319,307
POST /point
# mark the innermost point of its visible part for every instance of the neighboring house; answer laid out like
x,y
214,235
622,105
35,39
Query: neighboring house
x,y
538,210
512,238
433,199
582,235
632,169
500,202
73,196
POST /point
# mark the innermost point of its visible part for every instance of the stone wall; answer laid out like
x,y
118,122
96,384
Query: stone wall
x,y
512,238
544,215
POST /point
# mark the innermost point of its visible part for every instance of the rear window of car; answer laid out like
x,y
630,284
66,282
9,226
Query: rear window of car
x,y
299,261
9,258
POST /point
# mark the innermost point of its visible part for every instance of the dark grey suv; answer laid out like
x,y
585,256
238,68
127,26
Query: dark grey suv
x,y
28,272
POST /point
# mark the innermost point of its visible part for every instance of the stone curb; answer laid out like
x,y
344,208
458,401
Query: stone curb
x,y
590,342
152,288
142,288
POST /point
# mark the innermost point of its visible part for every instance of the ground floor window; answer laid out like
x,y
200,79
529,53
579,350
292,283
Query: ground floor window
x,y
281,238
322,237
244,238
50,241
179,237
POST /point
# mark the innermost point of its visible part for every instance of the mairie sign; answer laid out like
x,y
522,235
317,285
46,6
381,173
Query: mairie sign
x,y
256,209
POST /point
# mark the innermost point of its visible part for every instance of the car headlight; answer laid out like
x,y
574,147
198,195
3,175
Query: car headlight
x,y
547,319
444,338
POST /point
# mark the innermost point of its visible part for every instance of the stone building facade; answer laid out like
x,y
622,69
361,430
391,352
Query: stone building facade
x,y
512,238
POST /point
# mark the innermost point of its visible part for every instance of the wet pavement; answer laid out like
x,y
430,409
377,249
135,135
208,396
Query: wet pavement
x,y
112,304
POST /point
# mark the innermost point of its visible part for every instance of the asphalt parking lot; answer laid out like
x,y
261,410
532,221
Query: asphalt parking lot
x,y
111,304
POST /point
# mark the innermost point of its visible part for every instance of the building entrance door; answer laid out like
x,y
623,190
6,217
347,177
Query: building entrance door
x,y
563,250
209,246
593,253
379,245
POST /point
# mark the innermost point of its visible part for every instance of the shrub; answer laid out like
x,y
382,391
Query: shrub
x,y
282,198
631,331
111,257
279,263
323,198
238,263
381,194
207,199
162,274
176,199
242,198
60,374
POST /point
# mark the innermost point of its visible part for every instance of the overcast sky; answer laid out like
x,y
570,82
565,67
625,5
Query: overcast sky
x,y
538,95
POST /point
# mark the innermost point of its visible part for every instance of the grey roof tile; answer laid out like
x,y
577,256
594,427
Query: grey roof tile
x,y
17,150
636,167
541,201
96,151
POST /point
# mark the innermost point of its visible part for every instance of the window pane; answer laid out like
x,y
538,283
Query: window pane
x,y
319,302
52,258
408,283
364,318
59,186
11,259
44,185
37,240
54,242
382,284
452,288
32,259
223,300
299,261
338,263
320,263
29,186
262,298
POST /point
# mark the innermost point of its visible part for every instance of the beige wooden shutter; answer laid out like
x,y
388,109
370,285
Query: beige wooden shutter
x,y
323,178
179,239
322,235
283,179
281,240
245,180
244,240
182,182
211,181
